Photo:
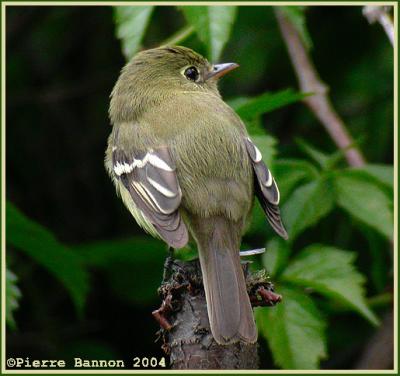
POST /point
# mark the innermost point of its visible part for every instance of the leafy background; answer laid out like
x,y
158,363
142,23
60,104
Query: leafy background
x,y
82,277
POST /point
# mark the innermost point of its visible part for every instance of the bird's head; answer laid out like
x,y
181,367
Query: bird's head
x,y
159,73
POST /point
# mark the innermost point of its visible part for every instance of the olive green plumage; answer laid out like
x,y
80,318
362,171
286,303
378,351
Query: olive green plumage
x,y
183,163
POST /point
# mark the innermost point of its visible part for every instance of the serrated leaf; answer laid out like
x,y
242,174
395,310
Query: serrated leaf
x,y
326,161
364,201
290,173
380,172
267,102
131,23
297,17
276,255
42,246
13,294
213,26
315,154
294,329
307,205
332,273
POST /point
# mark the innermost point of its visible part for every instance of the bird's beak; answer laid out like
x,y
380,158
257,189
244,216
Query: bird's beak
x,y
219,70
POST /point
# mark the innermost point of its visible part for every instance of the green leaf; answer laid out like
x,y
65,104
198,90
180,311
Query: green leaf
x,y
315,154
251,109
259,225
332,273
327,161
307,205
290,173
41,245
276,256
13,294
383,178
294,329
254,126
213,25
187,253
297,17
236,102
131,23
267,102
380,172
364,201
378,260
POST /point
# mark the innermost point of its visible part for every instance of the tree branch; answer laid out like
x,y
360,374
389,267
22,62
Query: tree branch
x,y
381,14
179,36
309,82
185,329
320,105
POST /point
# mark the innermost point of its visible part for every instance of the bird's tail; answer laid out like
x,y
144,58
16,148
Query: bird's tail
x,y
228,304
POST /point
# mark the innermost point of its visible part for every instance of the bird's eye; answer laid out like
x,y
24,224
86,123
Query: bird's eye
x,y
191,74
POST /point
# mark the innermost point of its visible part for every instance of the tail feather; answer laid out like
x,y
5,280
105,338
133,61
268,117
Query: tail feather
x,y
228,304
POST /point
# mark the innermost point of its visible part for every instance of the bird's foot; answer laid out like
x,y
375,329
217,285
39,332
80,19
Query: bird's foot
x,y
268,297
165,308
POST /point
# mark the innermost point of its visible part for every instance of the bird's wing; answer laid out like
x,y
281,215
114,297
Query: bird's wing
x,y
150,178
266,189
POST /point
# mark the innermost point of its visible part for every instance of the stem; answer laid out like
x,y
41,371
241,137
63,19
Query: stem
x,y
380,13
319,103
179,36
381,300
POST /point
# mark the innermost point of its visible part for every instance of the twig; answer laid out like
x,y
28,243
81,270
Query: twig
x,y
309,81
179,36
319,103
375,13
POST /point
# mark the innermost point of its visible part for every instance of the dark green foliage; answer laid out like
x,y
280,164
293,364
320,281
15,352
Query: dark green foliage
x,y
13,294
295,330
213,26
252,108
77,246
131,23
297,16
40,244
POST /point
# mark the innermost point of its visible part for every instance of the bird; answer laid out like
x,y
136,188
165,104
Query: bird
x,y
186,168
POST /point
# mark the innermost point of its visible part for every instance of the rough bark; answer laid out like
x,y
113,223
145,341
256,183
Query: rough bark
x,y
185,330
